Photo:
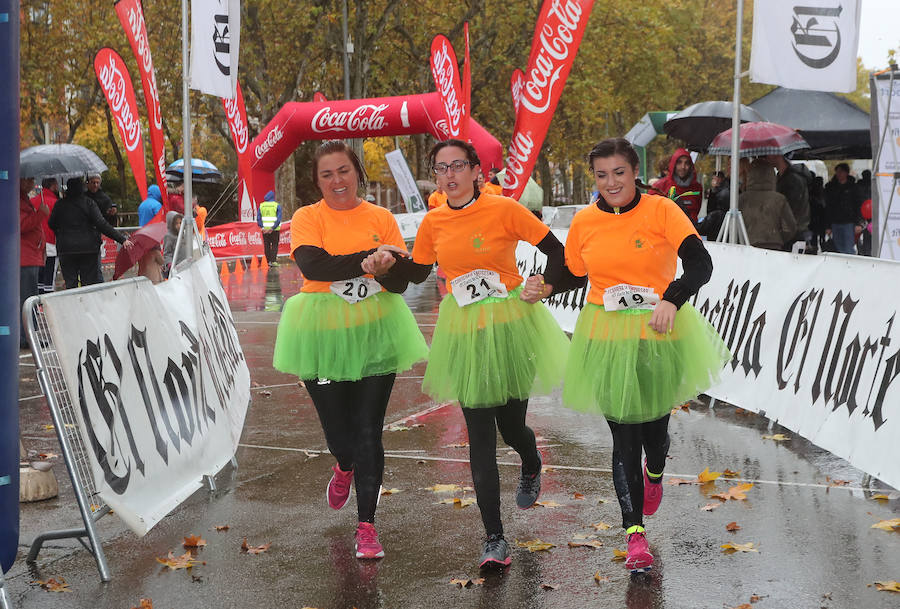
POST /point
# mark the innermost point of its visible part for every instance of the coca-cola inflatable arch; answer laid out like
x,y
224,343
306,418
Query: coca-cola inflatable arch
x,y
297,122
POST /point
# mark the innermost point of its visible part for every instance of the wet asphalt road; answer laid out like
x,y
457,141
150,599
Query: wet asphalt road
x,y
815,541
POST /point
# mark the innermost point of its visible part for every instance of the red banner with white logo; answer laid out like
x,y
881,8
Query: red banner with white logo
x,y
116,84
556,38
516,82
319,97
132,19
244,239
466,88
445,71
236,114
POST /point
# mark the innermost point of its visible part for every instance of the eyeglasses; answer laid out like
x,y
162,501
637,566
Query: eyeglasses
x,y
457,166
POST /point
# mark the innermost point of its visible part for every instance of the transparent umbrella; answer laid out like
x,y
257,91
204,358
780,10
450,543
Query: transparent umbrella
x,y
59,160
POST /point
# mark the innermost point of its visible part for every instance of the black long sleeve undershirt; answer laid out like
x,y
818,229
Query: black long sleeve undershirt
x,y
318,265
695,261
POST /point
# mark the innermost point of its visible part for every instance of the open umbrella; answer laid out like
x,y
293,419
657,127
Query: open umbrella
x,y
759,139
60,160
698,124
201,171
144,239
533,195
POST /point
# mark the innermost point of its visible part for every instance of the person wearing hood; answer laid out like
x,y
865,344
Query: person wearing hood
x,y
767,213
681,184
173,224
269,220
150,206
77,222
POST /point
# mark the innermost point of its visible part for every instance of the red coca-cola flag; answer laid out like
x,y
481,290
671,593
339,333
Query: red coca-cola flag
x,y
466,88
116,84
318,96
516,82
237,121
131,16
556,39
445,71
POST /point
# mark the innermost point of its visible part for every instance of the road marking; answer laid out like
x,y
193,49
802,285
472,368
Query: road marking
x,y
556,466
416,415
31,397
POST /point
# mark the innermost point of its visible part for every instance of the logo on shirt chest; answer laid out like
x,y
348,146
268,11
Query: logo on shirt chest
x,y
479,243
376,238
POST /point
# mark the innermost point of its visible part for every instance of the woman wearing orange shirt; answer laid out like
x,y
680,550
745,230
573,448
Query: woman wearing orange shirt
x,y
491,348
343,334
639,348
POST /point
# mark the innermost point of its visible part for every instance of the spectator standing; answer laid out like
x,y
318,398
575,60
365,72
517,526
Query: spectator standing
x,y
77,222
767,213
31,241
717,206
107,206
48,196
150,206
268,217
175,196
842,205
793,182
681,184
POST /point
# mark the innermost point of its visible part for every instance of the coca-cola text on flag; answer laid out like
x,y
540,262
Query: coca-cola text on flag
x,y
236,114
516,82
466,88
445,71
556,42
116,85
132,19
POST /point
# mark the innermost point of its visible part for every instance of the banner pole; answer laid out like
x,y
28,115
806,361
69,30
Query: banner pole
x,y
186,227
732,237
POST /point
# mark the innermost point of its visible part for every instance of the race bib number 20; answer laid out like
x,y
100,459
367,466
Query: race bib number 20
x,y
477,285
627,296
356,289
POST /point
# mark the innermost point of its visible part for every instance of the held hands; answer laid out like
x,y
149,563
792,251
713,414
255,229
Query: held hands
x,y
380,262
663,318
535,289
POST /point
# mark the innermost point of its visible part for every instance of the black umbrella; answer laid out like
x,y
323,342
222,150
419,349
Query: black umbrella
x,y
697,125
60,160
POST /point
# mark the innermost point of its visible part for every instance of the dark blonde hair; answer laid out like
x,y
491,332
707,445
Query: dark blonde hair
x,y
332,146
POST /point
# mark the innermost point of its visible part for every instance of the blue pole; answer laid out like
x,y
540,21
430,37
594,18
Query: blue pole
x,y
9,271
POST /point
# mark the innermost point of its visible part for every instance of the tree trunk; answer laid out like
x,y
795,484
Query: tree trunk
x,y
286,187
578,197
120,162
566,181
546,177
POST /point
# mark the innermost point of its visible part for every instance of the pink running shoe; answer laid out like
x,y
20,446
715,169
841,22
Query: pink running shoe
x,y
367,545
338,490
653,492
638,559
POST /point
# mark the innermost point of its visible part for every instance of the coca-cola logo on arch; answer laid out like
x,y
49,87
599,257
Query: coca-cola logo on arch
x,y
365,117
557,43
272,138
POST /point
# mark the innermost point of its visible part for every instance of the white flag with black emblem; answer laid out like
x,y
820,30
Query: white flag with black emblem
x,y
805,44
215,42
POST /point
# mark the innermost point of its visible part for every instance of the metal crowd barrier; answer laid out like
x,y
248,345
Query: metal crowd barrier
x,y
5,602
62,410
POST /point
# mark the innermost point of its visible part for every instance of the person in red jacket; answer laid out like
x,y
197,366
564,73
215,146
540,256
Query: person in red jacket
x,y
48,196
681,184
31,258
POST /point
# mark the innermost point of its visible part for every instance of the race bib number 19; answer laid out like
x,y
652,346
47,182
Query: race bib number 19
x,y
477,285
356,289
626,296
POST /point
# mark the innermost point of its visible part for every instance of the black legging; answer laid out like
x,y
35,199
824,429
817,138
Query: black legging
x,y
482,425
628,475
352,417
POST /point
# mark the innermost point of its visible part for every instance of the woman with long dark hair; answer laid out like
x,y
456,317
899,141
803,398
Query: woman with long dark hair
x,y
347,334
639,348
493,346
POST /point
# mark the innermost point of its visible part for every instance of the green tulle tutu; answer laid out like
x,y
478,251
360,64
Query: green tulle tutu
x,y
320,335
620,367
493,350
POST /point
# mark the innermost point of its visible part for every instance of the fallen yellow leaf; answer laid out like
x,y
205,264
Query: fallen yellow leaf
x,y
185,561
600,578
390,491
245,547
548,504
881,497
222,527
888,586
535,545
467,582
732,526
447,488
738,547
194,541
778,437
707,476
677,481
619,555
730,474
710,507
457,502
888,525
577,496
737,493
589,543
547,468
53,584
146,603
601,526
459,445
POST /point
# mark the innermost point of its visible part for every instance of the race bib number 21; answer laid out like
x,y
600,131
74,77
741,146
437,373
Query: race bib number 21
x,y
477,285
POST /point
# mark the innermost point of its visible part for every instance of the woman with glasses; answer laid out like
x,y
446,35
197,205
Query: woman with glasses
x,y
347,334
493,346
639,348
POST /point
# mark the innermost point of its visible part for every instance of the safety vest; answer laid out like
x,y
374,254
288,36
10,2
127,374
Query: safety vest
x,y
269,212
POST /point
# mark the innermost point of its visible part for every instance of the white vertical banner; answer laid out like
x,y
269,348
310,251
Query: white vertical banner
x,y
885,185
215,46
405,181
809,45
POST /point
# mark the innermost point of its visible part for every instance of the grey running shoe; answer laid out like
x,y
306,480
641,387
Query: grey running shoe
x,y
496,553
529,488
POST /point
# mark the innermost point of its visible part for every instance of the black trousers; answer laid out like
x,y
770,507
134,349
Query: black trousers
x,y
47,276
628,476
482,425
352,417
270,245
80,267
